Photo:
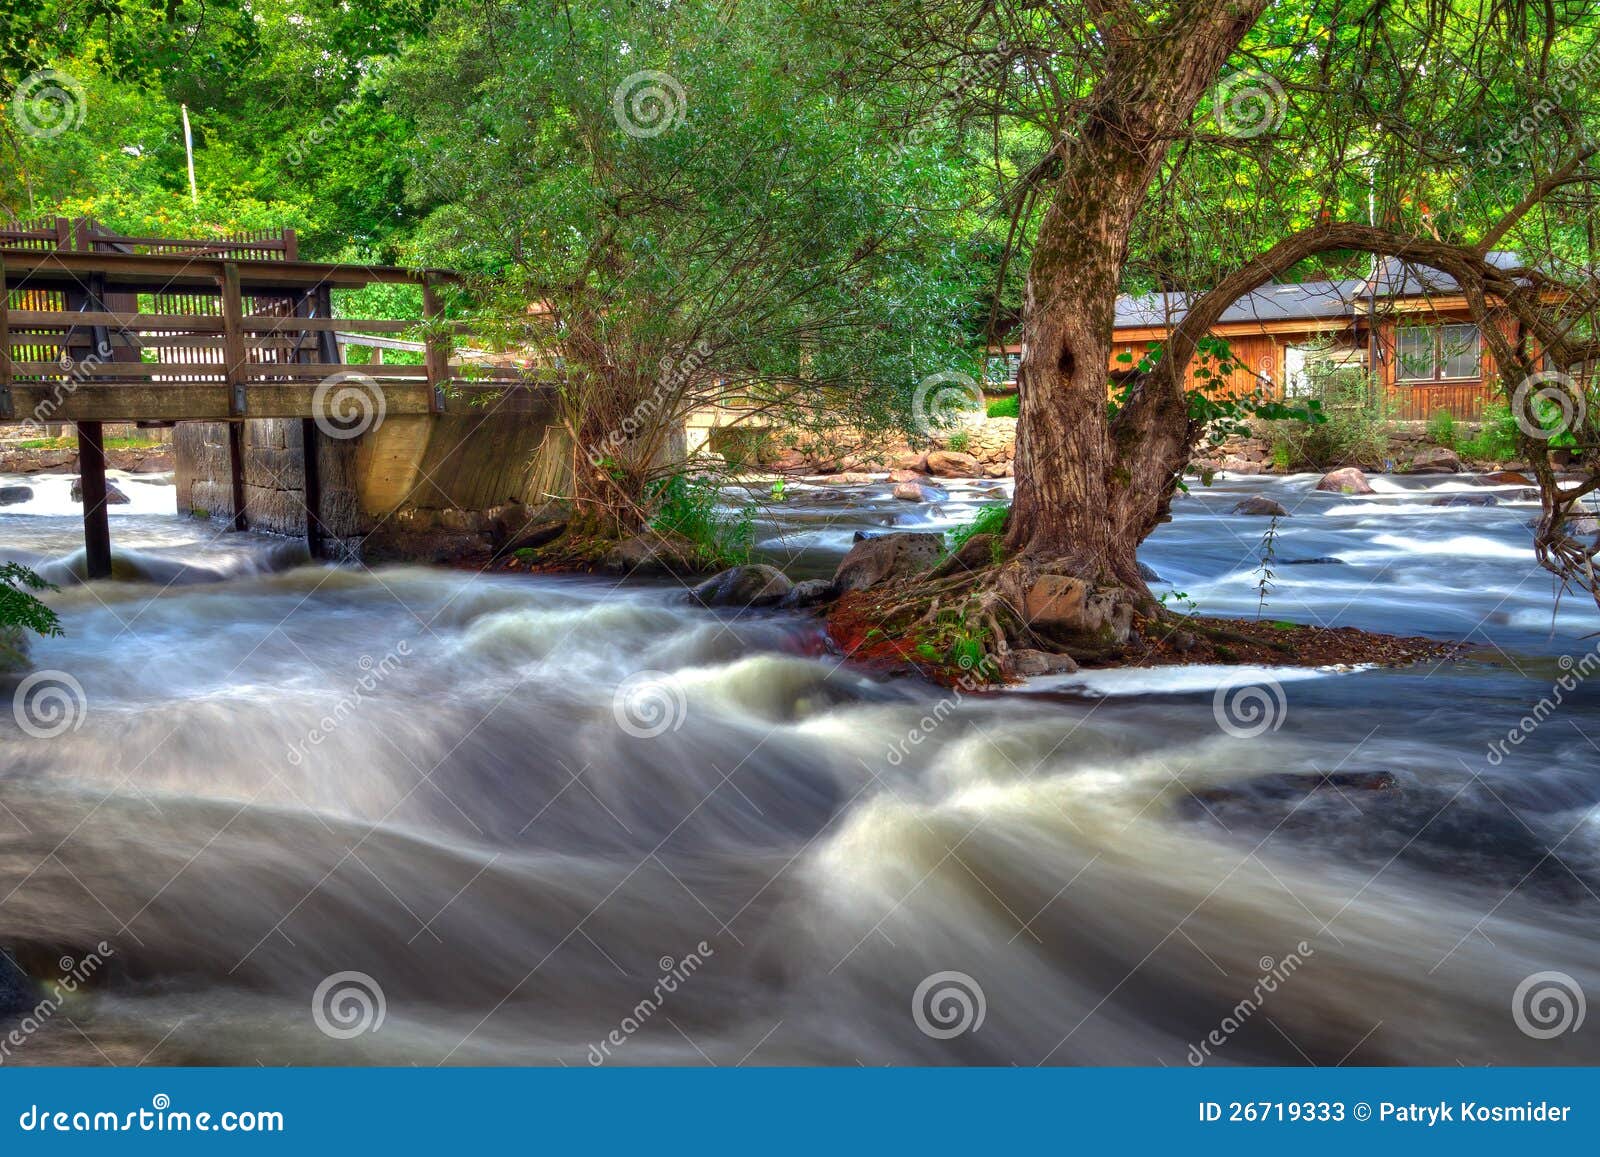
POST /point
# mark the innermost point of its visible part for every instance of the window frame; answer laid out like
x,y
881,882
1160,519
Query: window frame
x,y
1438,358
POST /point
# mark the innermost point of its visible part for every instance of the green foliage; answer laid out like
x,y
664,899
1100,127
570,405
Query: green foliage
x,y
690,507
1264,572
1222,417
1496,439
1353,429
1009,406
21,611
959,441
990,520
1442,429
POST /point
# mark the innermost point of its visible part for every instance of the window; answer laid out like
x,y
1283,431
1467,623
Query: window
x,y
1004,369
1437,352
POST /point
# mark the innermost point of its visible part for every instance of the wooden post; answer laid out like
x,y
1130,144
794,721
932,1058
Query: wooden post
x,y
92,481
233,356
7,410
236,473
436,356
291,246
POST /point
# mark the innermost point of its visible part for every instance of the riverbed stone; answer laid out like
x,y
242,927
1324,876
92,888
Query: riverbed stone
x,y
11,495
1260,506
954,464
907,476
1434,460
754,585
848,478
651,554
1345,480
918,492
1028,662
873,560
1071,608
973,555
1466,500
1508,478
809,593
114,496
1148,573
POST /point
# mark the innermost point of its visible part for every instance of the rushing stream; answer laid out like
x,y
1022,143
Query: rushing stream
x,y
563,821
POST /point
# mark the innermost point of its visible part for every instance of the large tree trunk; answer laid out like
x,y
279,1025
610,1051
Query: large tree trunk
x,y
1072,502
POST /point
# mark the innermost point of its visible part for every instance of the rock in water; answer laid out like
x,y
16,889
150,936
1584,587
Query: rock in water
x,y
973,555
11,495
1434,460
16,987
651,554
917,492
114,497
1466,500
954,464
1261,506
1346,480
1027,662
1148,573
873,560
810,593
756,585
1508,478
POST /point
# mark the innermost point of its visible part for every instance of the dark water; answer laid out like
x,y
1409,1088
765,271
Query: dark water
x,y
560,821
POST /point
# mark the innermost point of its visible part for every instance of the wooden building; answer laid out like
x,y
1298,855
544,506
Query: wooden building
x,y
1410,326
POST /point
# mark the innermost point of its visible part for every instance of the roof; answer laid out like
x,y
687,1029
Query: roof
x,y
1300,300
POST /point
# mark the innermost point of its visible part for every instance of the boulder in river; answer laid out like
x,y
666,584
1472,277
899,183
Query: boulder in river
x,y
973,555
1345,480
11,495
918,492
1320,560
1508,478
821,496
809,593
1434,460
907,476
755,585
1148,573
953,464
1466,500
1027,663
848,478
1071,609
886,556
1261,506
114,497
16,988
651,553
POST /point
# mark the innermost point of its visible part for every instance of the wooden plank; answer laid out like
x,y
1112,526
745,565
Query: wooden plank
x,y
189,401
437,357
156,273
327,324
92,481
64,319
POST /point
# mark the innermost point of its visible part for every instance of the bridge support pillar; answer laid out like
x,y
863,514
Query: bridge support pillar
x,y
236,474
92,481
313,490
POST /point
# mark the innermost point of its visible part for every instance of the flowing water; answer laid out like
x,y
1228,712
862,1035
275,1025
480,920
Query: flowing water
x,y
421,816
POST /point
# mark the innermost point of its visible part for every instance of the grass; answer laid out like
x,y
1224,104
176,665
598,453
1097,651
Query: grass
x,y
990,520
1009,406
687,507
1442,429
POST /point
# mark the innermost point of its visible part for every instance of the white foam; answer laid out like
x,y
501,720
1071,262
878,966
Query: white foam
x,y
1177,680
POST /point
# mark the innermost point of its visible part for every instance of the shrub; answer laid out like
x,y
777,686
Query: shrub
x,y
1354,432
1009,406
21,612
1442,429
688,507
958,441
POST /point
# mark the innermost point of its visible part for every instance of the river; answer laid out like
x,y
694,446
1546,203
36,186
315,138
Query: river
x,y
323,815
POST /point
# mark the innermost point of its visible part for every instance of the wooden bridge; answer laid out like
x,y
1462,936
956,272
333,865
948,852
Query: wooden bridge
x,y
98,327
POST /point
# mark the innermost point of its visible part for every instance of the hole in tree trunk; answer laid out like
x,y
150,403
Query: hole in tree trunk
x,y
1065,362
